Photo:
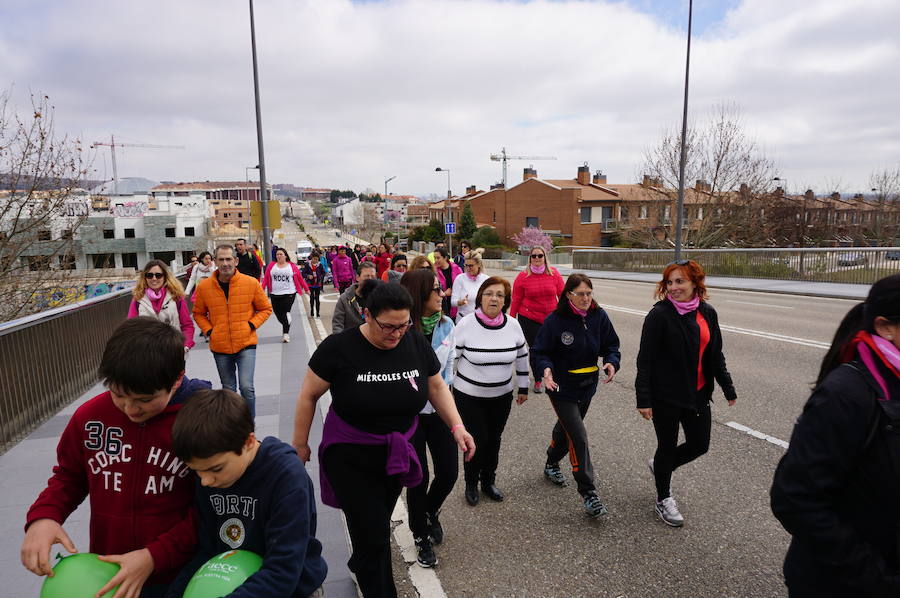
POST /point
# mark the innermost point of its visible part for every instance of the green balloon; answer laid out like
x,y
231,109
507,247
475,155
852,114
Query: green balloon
x,y
223,574
79,576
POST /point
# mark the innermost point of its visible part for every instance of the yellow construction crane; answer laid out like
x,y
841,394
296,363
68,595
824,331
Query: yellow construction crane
x,y
112,149
502,157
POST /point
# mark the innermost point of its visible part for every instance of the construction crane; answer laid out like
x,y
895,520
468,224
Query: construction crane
x,y
112,149
502,157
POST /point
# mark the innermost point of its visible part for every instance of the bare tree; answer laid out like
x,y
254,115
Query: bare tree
x,y
726,176
885,225
40,208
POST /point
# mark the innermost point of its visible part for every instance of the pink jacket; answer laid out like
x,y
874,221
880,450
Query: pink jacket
x,y
184,318
342,269
454,272
299,283
536,295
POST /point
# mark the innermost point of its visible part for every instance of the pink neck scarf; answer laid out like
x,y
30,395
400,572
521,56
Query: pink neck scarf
x,y
685,307
538,269
472,277
156,298
580,312
887,348
497,321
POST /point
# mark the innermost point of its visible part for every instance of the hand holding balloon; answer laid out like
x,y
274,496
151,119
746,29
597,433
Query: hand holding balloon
x,y
40,537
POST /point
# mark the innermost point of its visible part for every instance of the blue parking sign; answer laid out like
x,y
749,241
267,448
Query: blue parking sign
x,y
450,228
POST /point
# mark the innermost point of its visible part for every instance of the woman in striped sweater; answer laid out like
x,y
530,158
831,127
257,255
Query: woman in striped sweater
x,y
492,363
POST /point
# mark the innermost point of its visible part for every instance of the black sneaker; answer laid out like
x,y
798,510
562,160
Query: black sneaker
x,y
425,553
553,473
436,531
594,506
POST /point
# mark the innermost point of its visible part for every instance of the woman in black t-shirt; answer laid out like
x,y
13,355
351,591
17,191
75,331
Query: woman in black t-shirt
x,y
380,375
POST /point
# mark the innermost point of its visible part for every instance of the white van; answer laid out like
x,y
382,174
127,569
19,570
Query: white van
x,y
304,248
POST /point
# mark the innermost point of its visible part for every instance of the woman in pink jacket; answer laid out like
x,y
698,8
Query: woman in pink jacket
x,y
284,281
159,294
342,270
535,294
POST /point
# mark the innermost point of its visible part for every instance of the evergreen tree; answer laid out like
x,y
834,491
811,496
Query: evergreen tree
x,y
467,225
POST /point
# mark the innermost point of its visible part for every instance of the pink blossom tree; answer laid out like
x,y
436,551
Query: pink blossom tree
x,y
533,237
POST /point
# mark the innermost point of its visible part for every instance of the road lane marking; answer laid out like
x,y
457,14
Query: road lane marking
x,y
759,304
747,331
757,434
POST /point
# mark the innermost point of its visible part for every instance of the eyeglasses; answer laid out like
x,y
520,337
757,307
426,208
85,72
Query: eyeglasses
x,y
437,290
537,256
399,266
390,328
471,265
581,294
156,275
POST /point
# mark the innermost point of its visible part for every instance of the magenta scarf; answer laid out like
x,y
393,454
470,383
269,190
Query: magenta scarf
x,y
686,307
156,297
489,321
538,269
471,277
580,312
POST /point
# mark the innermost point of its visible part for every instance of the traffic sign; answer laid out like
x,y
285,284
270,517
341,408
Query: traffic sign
x,y
450,228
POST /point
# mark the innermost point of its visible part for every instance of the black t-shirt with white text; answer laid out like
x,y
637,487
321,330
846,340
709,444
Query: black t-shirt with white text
x,y
376,390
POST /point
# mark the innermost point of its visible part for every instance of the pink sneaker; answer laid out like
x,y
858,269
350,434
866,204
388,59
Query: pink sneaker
x,y
538,388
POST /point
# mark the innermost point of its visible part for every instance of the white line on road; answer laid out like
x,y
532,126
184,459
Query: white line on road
x,y
757,434
757,333
759,304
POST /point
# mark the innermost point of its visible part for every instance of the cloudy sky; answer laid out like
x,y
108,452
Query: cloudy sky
x,y
353,92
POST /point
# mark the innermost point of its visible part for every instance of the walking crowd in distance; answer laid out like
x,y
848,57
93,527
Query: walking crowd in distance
x,y
426,357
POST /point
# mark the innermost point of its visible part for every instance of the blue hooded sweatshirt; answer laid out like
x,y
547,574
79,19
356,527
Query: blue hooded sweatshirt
x,y
270,510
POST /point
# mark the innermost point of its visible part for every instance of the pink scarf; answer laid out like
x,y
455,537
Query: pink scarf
x,y
686,307
472,277
538,269
872,348
580,312
156,297
497,321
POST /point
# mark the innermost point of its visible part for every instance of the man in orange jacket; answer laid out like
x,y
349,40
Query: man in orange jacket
x,y
229,307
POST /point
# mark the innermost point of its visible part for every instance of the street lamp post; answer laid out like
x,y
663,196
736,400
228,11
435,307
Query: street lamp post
x,y
679,223
263,196
386,221
449,236
248,169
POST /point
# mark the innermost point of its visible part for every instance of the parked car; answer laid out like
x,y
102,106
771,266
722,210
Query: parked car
x,y
892,255
852,259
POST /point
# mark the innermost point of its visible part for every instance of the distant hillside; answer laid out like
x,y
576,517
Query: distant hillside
x,y
25,182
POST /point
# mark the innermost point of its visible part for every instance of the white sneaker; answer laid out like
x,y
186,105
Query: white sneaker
x,y
668,511
285,338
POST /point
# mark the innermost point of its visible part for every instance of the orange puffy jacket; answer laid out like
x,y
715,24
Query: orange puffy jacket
x,y
230,319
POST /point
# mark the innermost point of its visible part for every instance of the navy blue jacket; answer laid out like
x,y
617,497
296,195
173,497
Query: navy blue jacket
x,y
270,510
568,341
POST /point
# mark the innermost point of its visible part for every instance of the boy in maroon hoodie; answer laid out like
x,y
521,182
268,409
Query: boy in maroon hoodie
x,y
117,450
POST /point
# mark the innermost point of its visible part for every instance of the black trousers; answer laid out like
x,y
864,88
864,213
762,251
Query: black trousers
x,y
670,455
485,420
367,496
314,306
530,329
343,285
570,436
281,305
434,434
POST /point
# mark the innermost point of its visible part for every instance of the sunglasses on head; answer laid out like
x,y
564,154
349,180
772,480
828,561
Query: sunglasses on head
x,y
678,263
156,275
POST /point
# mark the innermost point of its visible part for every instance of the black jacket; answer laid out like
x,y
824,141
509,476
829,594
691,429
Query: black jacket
x,y
570,342
837,489
667,358
247,264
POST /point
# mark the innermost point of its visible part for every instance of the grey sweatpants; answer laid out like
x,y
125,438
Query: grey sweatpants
x,y
570,436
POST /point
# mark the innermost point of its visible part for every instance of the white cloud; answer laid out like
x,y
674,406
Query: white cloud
x,y
356,92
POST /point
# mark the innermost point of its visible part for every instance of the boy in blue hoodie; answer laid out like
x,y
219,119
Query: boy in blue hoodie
x,y
251,496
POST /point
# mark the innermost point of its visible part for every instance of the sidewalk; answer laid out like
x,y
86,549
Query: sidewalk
x,y
25,468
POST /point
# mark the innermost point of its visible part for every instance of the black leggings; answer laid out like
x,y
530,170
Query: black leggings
x,y
281,305
530,329
314,307
669,454
485,420
433,433
367,496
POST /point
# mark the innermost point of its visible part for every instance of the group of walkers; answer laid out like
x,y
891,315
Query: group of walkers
x,y
427,355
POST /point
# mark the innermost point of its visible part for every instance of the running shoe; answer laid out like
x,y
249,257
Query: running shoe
x,y
668,511
553,473
594,506
436,530
425,553
538,388
285,338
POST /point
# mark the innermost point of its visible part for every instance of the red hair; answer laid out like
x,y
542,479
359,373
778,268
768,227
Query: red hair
x,y
692,270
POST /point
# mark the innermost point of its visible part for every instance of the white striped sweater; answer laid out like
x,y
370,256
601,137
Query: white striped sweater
x,y
487,358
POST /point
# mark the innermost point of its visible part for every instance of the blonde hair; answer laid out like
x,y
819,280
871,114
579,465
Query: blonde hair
x,y
475,256
173,285
420,262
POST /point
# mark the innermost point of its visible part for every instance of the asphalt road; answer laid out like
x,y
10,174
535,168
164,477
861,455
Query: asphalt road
x,y
539,543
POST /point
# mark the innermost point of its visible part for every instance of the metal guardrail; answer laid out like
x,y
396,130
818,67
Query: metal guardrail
x,y
51,358
857,265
